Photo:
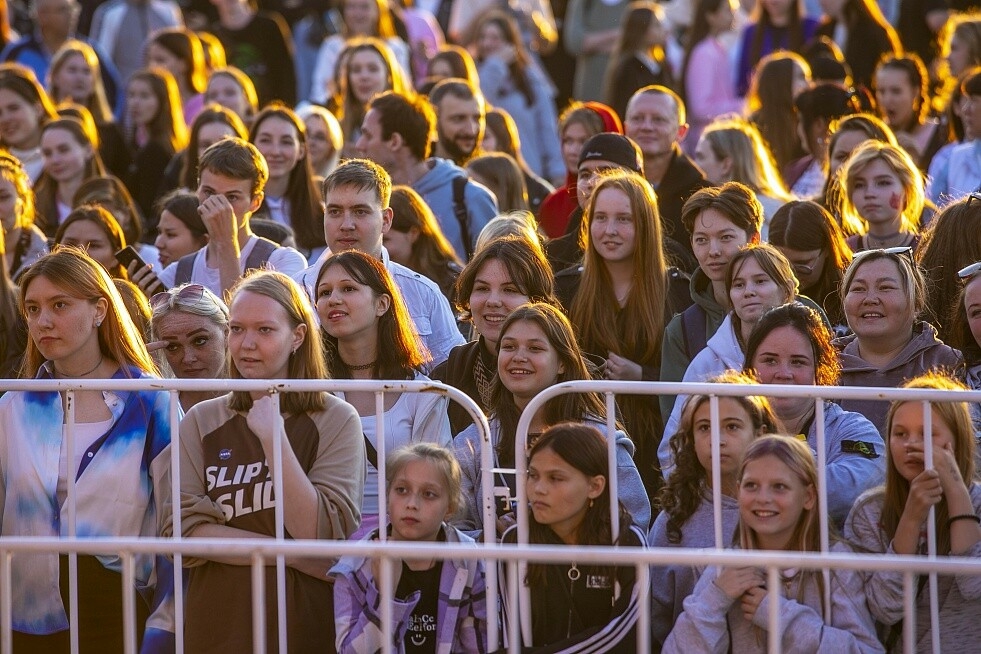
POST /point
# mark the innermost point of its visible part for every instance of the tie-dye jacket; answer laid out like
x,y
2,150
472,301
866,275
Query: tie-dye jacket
x,y
120,481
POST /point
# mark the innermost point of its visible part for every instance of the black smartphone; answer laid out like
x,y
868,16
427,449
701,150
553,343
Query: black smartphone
x,y
128,255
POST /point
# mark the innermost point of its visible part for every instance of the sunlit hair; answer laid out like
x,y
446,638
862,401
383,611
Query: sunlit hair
x,y
637,19
111,194
583,447
527,268
21,80
8,296
736,201
806,226
460,62
97,103
186,47
306,362
912,67
569,406
46,187
243,82
13,172
167,128
949,244
770,102
79,276
107,224
207,305
601,325
902,165
864,123
797,456
578,113
773,264
502,175
431,253
956,416
752,163
302,195
211,114
443,460
911,279
400,352
664,92
809,324
213,50
351,111
237,159
363,175
512,223
686,488
332,128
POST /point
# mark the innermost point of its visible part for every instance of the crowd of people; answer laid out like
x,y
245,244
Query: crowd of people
x,y
500,197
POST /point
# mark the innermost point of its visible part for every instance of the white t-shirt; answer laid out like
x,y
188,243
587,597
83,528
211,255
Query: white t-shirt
x,y
284,260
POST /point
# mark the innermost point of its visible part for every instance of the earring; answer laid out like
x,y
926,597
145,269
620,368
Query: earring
x,y
590,502
98,323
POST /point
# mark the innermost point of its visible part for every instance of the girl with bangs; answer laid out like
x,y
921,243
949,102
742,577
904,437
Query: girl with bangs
x,y
366,67
272,334
291,194
778,511
75,75
884,200
159,132
80,330
369,335
71,157
892,519
621,298
687,519
229,87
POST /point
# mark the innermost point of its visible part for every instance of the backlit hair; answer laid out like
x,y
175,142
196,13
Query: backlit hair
x,y
902,165
167,128
752,163
806,322
447,468
209,115
97,103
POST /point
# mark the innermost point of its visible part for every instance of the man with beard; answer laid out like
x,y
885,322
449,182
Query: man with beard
x,y
395,134
460,120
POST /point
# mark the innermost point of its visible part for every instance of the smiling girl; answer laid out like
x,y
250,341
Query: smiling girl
x,y
24,109
777,495
883,197
369,335
538,350
687,516
70,158
423,493
892,519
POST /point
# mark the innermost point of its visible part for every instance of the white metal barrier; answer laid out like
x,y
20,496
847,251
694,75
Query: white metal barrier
x,y
262,550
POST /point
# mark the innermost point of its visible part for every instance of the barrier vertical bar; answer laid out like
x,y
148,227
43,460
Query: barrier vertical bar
x,y
643,609
6,610
909,614
822,463
928,464
279,443
773,643
716,470
175,514
514,626
72,520
380,472
258,604
129,603
387,597
611,465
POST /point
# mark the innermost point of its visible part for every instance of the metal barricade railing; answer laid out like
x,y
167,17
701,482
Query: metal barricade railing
x,y
261,550
714,391
175,386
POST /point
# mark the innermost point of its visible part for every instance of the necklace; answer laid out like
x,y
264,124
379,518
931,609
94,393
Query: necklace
x,y
84,374
885,241
366,366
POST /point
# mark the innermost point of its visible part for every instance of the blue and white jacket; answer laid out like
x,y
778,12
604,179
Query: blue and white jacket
x,y
119,485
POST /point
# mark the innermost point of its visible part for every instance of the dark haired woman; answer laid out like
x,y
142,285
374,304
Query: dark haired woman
x,y
862,33
902,91
639,58
501,135
774,26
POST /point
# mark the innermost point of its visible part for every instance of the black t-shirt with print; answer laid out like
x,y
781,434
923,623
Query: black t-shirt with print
x,y
421,635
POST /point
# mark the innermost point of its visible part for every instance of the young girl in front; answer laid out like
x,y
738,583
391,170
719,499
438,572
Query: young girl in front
x,y
778,511
892,519
883,199
423,492
577,607
687,519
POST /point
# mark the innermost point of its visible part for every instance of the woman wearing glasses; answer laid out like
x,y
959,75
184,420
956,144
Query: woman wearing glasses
x,y
883,294
812,241
966,336
190,325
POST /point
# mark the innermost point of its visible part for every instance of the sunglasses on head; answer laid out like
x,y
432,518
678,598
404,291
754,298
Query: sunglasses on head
x,y
968,272
897,252
188,293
